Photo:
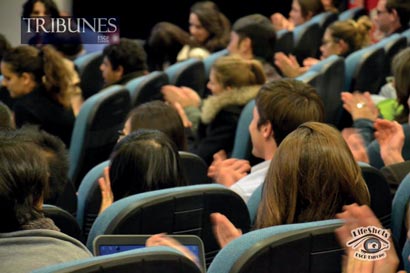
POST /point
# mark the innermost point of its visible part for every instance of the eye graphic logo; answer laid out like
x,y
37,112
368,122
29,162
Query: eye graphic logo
x,y
370,243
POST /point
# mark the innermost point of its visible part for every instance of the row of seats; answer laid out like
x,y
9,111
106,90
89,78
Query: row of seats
x,y
313,245
186,210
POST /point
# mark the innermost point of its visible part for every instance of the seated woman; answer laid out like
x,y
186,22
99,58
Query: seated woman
x,y
144,160
301,12
159,116
312,176
233,83
340,38
41,81
28,240
209,28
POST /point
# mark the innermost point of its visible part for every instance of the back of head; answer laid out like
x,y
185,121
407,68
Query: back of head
x,y
164,43
260,31
286,104
355,34
159,116
145,160
402,8
234,71
127,53
310,8
311,177
69,44
215,22
56,155
401,72
23,179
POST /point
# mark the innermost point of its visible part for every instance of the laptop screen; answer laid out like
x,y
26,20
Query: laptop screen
x,y
110,244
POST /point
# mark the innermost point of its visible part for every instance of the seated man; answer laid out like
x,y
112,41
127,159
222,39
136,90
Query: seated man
x,y
123,62
281,106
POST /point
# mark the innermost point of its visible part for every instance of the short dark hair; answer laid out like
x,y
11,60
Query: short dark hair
x,y
144,160
260,30
402,8
159,116
127,53
50,5
23,180
286,104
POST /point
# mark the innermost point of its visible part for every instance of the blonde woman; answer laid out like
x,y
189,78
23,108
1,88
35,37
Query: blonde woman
x,y
233,82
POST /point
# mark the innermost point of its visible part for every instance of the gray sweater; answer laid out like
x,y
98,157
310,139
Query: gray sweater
x,y
26,250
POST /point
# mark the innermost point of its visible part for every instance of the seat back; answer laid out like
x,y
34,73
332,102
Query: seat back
x,y
272,249
67,199
307,40
89,198
353,13
284,41
406,34
399,208
364,69
96,130
147,88
332,70
380,197
91,78
64,221
242,145
189,73
313,78
391,45
195,168
179,210
395,173
324,19
209,61
147,260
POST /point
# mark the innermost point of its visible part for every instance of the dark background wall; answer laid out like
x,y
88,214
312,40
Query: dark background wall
x,y
137,22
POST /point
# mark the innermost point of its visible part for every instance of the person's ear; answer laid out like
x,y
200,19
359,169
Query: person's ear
x,y
267,130
120,70
246,44
26,77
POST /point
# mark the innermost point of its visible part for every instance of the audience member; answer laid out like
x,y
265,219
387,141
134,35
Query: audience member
x,y
40,79
123,62
159,116
301,12
392,17
311,177
364,114
163,45
281,106
233,83
56,155
253,37
340,38
144,160
28,240
209,29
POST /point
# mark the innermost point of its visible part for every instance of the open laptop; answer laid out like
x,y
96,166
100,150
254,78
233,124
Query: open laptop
x,y
110,244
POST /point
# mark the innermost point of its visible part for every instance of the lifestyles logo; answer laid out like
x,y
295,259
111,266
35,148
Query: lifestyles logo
x,y
371,243
92,30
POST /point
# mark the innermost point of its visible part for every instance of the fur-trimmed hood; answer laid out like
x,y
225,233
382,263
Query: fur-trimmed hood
x,y
215,103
